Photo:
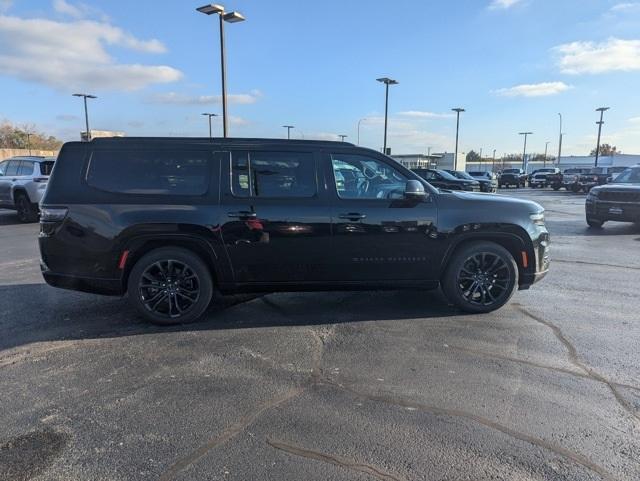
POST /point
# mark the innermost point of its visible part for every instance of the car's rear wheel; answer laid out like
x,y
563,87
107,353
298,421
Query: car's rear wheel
x,y
595,223
27,212
481,277
170,285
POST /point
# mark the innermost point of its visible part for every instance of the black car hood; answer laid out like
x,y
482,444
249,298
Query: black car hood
x,y
618,187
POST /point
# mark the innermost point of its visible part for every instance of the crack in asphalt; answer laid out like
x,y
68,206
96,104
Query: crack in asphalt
x,y
331,459
562,370
228,433
600,264
439,411
320,336
575,360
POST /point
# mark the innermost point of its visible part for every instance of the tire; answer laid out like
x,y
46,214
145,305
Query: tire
x,y
555,187
27,212
595,223
473,263
170,285
575,188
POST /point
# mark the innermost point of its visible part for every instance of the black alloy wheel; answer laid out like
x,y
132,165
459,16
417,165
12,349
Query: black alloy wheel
x,y
481,277
170,285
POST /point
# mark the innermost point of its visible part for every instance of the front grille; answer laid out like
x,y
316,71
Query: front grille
x,y
614,196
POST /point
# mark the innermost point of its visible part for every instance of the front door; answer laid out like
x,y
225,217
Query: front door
x,y
378,235
10,172
276,224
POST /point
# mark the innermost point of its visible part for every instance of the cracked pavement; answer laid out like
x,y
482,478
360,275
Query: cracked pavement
x,y
331,386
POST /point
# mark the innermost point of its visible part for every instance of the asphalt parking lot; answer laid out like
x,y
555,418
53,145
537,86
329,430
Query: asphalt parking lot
x,y
331,386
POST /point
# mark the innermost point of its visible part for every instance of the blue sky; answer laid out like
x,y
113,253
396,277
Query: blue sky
x,y
513,64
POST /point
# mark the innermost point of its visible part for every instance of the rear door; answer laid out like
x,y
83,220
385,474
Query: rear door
x,y
275,218
378,235
7,180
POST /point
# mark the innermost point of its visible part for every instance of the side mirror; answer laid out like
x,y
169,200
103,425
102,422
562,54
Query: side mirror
x,y
414,190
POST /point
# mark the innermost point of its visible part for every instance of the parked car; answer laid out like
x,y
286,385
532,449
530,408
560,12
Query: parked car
x,y
193,216
540,177
486,185
599,176
511,177
619,201
444,180
23,181
569,179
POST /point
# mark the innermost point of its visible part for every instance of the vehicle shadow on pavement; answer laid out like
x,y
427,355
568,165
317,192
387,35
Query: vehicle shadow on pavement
x,y
8,217
40,313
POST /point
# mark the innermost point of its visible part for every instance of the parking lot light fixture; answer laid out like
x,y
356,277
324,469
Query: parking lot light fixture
x,y
231,17
289,127
559,141
386,81
602,110
86,112
524,151
342,137
546,147
210,115
359,128
457,110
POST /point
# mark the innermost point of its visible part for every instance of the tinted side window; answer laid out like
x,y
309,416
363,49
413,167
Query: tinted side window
x,y
26,168
3,167
150,172
273,174
12,167
46,167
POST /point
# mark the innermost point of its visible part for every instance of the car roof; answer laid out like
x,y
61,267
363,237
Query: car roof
x,y
33,158
220,140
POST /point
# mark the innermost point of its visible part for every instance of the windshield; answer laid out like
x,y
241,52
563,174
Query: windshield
x,y
460,175
629,176
446,175
511,171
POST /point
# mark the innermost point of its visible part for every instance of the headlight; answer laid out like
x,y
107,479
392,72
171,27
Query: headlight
x,y
537,219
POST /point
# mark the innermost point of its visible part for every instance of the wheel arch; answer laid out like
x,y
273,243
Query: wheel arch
x,y
513,241
137,246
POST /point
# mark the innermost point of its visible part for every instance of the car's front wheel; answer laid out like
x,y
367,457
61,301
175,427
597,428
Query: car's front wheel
x,y
481,277
594,223
170,285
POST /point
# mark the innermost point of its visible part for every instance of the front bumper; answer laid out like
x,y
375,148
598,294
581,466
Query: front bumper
x,y
617,211
540,261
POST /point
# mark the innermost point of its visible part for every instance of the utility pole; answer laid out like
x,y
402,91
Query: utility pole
x,y
546,146
457,110
602,110
524,152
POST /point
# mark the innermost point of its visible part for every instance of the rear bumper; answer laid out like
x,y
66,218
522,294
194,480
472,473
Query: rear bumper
x,y
108,287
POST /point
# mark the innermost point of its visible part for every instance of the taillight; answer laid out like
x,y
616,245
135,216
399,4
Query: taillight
x,y
53,214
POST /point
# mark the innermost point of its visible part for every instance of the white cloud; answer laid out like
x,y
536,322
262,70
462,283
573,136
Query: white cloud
x,y
533,90
183,99
72,55
589,57
419,114
635,120
625,7
503,4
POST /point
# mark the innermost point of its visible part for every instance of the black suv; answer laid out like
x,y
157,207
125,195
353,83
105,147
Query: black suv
x,y
617,201
173,221
444,180
510,177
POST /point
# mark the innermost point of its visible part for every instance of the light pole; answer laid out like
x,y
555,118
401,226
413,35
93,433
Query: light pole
x,y
86,112
359,128
28,141
288,127
559,141
342,137
231,17
386,81
493,162
524,152
546,146
602,110
210,115
457,110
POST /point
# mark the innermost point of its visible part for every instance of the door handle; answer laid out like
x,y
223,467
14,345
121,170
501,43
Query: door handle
x,y
243,215
352,216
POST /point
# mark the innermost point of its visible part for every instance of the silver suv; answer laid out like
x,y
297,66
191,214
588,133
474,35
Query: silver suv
x,y
23,181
